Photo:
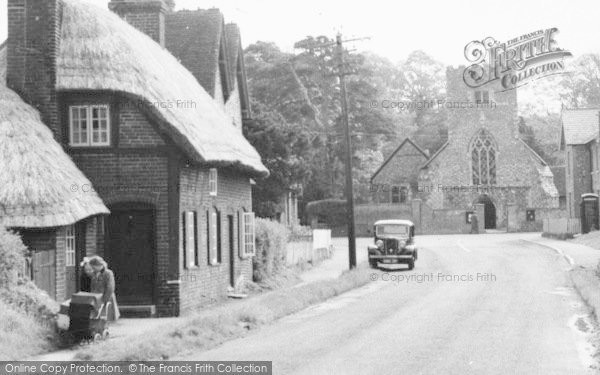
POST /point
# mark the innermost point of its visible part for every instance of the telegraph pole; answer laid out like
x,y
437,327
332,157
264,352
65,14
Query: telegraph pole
x,y
341,73
349,187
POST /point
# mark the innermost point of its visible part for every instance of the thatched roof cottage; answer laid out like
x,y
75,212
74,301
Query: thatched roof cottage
x,y
165,154
43,195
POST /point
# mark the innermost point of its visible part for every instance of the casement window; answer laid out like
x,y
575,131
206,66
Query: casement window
x,y
248,246
482,97
212,181
89,125
189,223
214,234
70,246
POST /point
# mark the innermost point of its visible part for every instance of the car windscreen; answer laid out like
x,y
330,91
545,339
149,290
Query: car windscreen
x,y
392,230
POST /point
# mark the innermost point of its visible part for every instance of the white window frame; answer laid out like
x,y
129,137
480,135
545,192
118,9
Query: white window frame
x,y
70,246
213,178
89,139
248,246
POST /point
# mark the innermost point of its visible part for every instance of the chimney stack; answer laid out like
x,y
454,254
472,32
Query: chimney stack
x,y
148,16
33,45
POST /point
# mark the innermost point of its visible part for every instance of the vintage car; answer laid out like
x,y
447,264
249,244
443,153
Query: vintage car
x,y
394,243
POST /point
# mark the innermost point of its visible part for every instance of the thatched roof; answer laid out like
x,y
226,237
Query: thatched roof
x,y
195,37
100,51
40,186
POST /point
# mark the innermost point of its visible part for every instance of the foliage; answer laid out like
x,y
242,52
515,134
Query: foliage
x,y
271,241
27,314
12,257
582,85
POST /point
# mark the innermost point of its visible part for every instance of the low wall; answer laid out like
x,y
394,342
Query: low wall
x,y
562,226
517,220
309,249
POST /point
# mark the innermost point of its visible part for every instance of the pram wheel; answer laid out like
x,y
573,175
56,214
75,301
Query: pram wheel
x,y
105,334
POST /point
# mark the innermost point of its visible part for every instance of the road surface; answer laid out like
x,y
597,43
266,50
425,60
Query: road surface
x,y
485,304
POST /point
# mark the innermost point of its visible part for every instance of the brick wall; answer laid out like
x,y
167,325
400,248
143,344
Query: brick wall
x,y
578,177
208,283
135,171
134,130
33,42
146,16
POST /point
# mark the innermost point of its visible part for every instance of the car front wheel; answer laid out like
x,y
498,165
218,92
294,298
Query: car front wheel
x,y
411,264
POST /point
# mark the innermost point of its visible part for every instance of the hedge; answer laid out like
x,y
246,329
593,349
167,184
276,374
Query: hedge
x,y
271,242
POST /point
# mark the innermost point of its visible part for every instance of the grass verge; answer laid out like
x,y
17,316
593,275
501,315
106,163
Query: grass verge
x,y
22,335
209,328
587,283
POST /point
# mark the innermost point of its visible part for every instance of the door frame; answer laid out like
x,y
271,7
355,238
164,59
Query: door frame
x,y
140,206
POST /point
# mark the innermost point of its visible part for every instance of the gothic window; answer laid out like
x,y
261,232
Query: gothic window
x,y
483,159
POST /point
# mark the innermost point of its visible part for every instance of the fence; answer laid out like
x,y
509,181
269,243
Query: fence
x,y
562,226
310,249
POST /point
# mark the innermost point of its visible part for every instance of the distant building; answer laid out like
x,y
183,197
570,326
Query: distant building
x,y
579,140
484,160
396,180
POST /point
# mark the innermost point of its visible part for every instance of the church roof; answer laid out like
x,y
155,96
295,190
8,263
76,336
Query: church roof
x,y
439,151
579,126
393,154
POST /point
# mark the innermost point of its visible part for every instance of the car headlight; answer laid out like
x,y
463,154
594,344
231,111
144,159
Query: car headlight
x,y
402,244
379,244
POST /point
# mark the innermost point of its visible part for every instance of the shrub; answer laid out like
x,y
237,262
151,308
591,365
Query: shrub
x,y
12,257
21,335
27,314
271,241
29,299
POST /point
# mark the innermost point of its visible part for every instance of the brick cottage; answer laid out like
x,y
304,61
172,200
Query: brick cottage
x,y
150,104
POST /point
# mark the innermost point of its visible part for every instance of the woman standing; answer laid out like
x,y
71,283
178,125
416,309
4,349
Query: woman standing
x,y
103,282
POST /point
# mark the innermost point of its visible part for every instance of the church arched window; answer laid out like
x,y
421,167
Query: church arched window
x,y
483,159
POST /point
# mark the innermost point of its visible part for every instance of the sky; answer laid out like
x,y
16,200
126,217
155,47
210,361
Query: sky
x,y
440,28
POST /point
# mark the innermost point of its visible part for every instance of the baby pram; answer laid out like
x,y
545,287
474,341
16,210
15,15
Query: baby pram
x,y
87,318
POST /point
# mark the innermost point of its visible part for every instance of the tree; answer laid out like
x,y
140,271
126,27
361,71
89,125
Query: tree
x,y
283,149
583,83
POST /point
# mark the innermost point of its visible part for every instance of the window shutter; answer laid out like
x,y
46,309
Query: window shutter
x,y
190,242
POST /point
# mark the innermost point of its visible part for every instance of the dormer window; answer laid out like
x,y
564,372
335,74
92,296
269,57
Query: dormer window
x,y
89,125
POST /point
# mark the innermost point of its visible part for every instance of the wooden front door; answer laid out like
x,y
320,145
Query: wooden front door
x,y
131,254
44,271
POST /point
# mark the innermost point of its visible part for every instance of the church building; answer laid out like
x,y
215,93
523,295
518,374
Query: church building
x,y
484,160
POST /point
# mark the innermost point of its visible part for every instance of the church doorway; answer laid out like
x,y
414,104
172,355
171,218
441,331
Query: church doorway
x,y
489,211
